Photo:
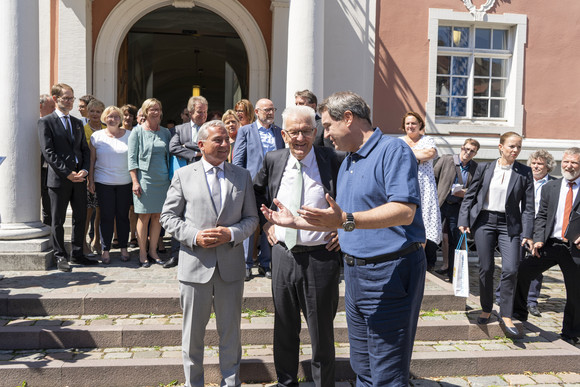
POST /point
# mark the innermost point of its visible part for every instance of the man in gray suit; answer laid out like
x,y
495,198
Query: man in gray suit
x,y
211,208
453,174
183,146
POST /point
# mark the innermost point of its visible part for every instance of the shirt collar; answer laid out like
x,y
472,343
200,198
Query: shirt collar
x,y
370,143
193,125
306,161
207,166
572,181
259,125
60,114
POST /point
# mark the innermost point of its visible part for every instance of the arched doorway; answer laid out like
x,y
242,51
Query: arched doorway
x,y
128,12
171,51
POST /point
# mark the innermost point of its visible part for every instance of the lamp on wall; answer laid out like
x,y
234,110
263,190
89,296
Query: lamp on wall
x,y
196,90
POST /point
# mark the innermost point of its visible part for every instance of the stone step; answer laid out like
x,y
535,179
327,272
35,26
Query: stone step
x,y
161,365
438,296
143,330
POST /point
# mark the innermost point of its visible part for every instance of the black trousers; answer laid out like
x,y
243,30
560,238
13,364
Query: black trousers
x,y
491,227
114,202
553,253
45,199
308,282
76,194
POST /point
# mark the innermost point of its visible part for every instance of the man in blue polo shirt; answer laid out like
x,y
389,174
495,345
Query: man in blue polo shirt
x,y
380,229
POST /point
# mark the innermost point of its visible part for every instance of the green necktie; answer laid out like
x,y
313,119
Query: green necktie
x,y
294,205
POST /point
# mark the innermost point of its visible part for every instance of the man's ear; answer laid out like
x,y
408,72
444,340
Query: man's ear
x,y
348,117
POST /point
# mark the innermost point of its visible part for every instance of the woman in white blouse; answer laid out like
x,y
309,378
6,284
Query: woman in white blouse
x,y
499,208
109,177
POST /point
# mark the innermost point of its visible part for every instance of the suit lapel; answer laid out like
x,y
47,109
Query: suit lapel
x,y
516,172
488,172
324,170
230,178
277,171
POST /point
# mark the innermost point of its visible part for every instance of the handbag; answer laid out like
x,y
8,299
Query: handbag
x,y
461,269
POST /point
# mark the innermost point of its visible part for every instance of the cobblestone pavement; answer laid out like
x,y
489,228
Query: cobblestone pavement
x,y
125,277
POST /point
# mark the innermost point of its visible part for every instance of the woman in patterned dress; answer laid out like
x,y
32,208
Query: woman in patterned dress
x,y
425,151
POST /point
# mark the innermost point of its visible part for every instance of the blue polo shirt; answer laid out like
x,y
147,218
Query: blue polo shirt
x,y
383,170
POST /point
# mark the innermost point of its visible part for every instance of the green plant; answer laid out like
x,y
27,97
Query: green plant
x,y
430,313
172,383
24,384
255,313
101,317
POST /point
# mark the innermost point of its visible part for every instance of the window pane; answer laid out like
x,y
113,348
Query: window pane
x,y
459,86
458,107
444,37
443,64
482,38
461,37
498,67
481,87
460,65
500,39
481,67
441,105
497,88
497,108
480,107
442,86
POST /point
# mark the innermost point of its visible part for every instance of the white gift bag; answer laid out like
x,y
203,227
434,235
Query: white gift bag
x,y
461,269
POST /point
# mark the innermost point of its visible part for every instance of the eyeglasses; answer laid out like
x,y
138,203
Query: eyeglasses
x,y
268,111
295,134
67,99
240,111
467,150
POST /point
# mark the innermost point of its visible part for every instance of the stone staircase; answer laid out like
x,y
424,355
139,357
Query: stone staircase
x,y
133,339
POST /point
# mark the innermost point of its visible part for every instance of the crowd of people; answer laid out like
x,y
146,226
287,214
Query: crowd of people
x,y
325,191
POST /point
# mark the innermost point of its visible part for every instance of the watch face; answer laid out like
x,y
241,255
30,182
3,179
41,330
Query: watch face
x,y
348,225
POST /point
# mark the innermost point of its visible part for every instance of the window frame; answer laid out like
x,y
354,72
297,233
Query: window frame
x,y
516,24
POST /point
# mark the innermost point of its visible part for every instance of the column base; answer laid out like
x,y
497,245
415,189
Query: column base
x,y
25,255
22,231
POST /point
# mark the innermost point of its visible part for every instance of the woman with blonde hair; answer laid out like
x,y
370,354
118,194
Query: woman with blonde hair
x,y
232,122
149,169
245,111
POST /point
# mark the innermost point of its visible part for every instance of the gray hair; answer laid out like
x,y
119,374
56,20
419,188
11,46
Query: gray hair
x,y
572,151
44,98
195,101
338,103
544,155
305,112
203,131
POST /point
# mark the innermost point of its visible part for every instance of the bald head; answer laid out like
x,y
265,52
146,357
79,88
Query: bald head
x,y
265,112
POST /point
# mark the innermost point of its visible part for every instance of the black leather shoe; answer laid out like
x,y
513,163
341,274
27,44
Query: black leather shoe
x,y
568,339
62,265
266,272
145,264
442,271
82,260
483,320
533,309
157,261
520,317
248,274
172,262
511,332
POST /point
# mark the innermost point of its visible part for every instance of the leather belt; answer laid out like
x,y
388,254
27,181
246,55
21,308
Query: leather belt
x,y
302,249
354,261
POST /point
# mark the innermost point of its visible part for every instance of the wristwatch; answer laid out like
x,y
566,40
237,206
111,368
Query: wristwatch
x,y
349,225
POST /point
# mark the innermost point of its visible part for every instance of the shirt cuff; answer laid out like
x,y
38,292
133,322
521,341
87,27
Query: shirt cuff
x,y
231,233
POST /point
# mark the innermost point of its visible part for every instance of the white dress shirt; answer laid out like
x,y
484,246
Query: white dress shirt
x,y
538,184
559,218
312,196
497,192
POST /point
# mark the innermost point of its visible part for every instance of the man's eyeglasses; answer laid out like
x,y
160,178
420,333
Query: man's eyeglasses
x,y
67,99
296,133
268,111
467,150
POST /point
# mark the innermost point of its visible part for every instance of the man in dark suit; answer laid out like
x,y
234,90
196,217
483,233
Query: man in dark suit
x,y
64,147
305,265
210,209
47,106
453,174
252,143
307,98
559,200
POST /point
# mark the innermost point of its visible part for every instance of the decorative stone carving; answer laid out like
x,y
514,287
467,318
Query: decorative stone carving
x,y
478,13
183,3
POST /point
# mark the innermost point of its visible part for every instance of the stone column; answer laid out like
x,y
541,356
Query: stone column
x,y
305,48
279,10
21,231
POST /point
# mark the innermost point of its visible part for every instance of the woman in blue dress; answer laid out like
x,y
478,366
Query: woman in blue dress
x,y
149,169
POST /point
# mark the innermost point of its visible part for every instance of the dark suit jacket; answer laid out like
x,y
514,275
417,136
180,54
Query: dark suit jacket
x,y
181,145
59,152
248,149
267,181
544,223
520,193
445,170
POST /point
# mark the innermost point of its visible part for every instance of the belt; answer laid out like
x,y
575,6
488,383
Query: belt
x,y
302,249
556,241
452,203
354,261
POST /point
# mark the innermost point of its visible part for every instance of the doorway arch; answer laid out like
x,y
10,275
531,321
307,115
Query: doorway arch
x,y
128,12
